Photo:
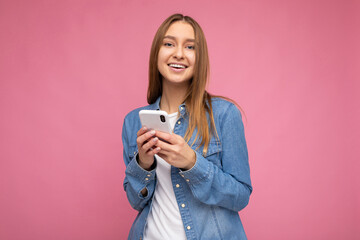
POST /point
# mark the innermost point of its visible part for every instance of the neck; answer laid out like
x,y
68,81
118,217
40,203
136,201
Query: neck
x,y
172,97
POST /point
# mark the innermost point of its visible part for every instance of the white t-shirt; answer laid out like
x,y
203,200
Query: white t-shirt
x,y
164,220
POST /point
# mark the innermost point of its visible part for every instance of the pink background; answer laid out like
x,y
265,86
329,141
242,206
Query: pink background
x,y
71,70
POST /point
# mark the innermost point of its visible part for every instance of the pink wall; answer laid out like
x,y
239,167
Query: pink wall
x,y
71,70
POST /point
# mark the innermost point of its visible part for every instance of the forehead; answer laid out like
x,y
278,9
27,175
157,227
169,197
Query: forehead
x,y
181,29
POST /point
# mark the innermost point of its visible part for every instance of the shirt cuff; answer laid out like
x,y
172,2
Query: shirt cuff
x,y
136,170
200,171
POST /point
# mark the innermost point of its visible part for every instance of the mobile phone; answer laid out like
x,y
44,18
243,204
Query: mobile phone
x,y
155,120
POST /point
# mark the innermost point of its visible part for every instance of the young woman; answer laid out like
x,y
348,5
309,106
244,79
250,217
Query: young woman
x,y
192,183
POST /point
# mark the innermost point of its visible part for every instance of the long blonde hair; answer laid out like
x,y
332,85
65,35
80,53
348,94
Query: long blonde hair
x,y
197,99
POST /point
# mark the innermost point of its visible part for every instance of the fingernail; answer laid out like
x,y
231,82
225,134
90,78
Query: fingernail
x,y
155,139
158,149
144,128
152,132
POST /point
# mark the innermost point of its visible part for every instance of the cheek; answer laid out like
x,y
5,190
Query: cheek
x,y
162,56
191,58
158,62
161,62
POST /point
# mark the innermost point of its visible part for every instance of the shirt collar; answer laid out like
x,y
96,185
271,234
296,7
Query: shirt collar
x,y
156,106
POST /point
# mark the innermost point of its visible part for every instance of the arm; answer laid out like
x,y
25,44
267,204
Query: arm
x,y
229,186
136,178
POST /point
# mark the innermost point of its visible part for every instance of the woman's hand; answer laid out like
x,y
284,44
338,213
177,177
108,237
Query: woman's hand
x,y
175,151
146,141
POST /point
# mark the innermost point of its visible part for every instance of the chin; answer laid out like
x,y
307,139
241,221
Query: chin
x,y
179,81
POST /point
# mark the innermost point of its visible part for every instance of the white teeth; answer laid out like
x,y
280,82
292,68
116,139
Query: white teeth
x,y
176,65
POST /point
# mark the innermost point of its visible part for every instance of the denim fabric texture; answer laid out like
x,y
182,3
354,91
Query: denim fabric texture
x,y
213,191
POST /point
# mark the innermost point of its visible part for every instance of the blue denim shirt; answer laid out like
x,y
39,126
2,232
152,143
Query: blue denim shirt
x,y
213,191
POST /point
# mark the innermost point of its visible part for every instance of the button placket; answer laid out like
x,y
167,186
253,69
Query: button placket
x,y
179,178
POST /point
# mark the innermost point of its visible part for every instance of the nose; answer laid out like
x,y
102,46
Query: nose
x,y
179,53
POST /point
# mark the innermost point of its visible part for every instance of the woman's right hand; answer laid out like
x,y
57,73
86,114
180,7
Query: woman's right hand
x,y
146,142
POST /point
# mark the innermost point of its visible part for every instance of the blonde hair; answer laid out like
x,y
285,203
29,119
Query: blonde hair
x,y
197,99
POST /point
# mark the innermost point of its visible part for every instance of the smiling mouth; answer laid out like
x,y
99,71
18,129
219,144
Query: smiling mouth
x,y
177,66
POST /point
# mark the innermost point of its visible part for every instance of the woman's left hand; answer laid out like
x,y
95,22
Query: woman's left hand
x,y
175,151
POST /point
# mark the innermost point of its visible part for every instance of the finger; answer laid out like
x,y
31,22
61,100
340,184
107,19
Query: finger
x,y
164,145
144,137
170,138
150,144
165,150
142,131
162,153
154,151
165,157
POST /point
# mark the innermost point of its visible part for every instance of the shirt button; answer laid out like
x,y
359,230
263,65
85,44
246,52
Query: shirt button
x,y
148,175
146,179
177,185
181,175
188,227
182,205
134,153
181,108
179,122
187,180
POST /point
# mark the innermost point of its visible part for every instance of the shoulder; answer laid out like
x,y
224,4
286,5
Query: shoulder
x,y
218,101
222,107
134,114
132,120
227,118
132,124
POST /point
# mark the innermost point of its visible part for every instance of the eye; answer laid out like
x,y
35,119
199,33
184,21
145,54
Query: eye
x,y
191,47
168,44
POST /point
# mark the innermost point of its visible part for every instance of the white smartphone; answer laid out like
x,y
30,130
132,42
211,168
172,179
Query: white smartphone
x,y
155,119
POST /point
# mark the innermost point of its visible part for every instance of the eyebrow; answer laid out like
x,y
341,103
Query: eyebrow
x,y
174,38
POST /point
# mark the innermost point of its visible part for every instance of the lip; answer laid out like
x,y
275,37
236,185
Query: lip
x,y
177,69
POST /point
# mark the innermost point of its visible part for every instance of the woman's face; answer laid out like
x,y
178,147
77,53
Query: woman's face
x,y
176,58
